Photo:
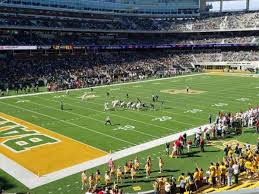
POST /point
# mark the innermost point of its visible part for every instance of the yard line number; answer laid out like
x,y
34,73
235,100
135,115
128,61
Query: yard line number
x,y
124,128
162,119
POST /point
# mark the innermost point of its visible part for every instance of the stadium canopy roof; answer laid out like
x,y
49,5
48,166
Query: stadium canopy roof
x,y
143,7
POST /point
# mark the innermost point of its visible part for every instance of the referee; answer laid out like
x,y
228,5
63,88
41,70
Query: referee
x,y
108,121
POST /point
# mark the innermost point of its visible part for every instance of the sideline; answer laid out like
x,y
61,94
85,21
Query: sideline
x,y
32,181
103,86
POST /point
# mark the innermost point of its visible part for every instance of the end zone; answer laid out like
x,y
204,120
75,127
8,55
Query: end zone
x,y
39,150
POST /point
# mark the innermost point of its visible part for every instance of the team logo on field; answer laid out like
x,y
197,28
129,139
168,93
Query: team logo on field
x,y
19,138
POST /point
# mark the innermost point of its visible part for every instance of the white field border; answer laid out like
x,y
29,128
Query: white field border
x,y
103,86
31,180
133,82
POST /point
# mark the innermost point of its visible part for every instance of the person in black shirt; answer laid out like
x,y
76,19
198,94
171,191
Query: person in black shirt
x,y
167,148
210,118
184,138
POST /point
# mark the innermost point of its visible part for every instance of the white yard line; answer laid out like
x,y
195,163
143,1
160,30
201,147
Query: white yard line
x,y
31,180
102,112
69,123
103,86
100,121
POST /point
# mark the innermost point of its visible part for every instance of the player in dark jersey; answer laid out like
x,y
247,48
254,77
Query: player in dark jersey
x,y
152,106
61,105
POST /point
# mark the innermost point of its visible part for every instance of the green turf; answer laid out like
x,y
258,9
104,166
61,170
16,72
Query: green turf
x,y
84,120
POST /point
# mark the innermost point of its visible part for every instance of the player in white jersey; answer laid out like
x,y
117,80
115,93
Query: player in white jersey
x,y
133,105
84,96
122,104
106,106
67,92
129,105
138,105
115,103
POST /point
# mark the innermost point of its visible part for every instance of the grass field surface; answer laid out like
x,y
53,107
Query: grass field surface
x,y
83,120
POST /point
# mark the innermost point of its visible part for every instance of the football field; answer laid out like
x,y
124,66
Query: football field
x,y
39,140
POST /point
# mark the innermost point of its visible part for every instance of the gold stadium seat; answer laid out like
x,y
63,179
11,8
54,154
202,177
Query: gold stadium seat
x,y
256,184
226,188
242,186
211,189
203,188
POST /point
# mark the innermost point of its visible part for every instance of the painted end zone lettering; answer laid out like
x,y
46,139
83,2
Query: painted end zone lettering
x,y
11,131
26,143
19,138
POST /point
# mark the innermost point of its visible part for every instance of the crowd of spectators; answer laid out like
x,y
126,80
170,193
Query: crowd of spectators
x,y
227,56
42,39
88,70
239,159
217,22
73,71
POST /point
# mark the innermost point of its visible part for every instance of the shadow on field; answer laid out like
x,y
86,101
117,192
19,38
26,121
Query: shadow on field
x,y
190,154
116,124
68,109
5,185
165,170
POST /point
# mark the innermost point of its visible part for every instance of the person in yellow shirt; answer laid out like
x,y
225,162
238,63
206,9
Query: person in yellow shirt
x,y
223,173
253,168
148,169
181,177
133,173
251,156
83,179
136,163
161,164
230,152
112,172
217,173
248,165
126,169
201,175
119,175
196,178
213,174
107,178
97,177
242,164
91,181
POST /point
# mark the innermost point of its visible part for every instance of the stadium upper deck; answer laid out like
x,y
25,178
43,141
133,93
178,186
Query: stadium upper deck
x,y
141,7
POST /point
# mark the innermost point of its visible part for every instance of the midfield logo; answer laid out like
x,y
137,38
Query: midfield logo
x,y
20,138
